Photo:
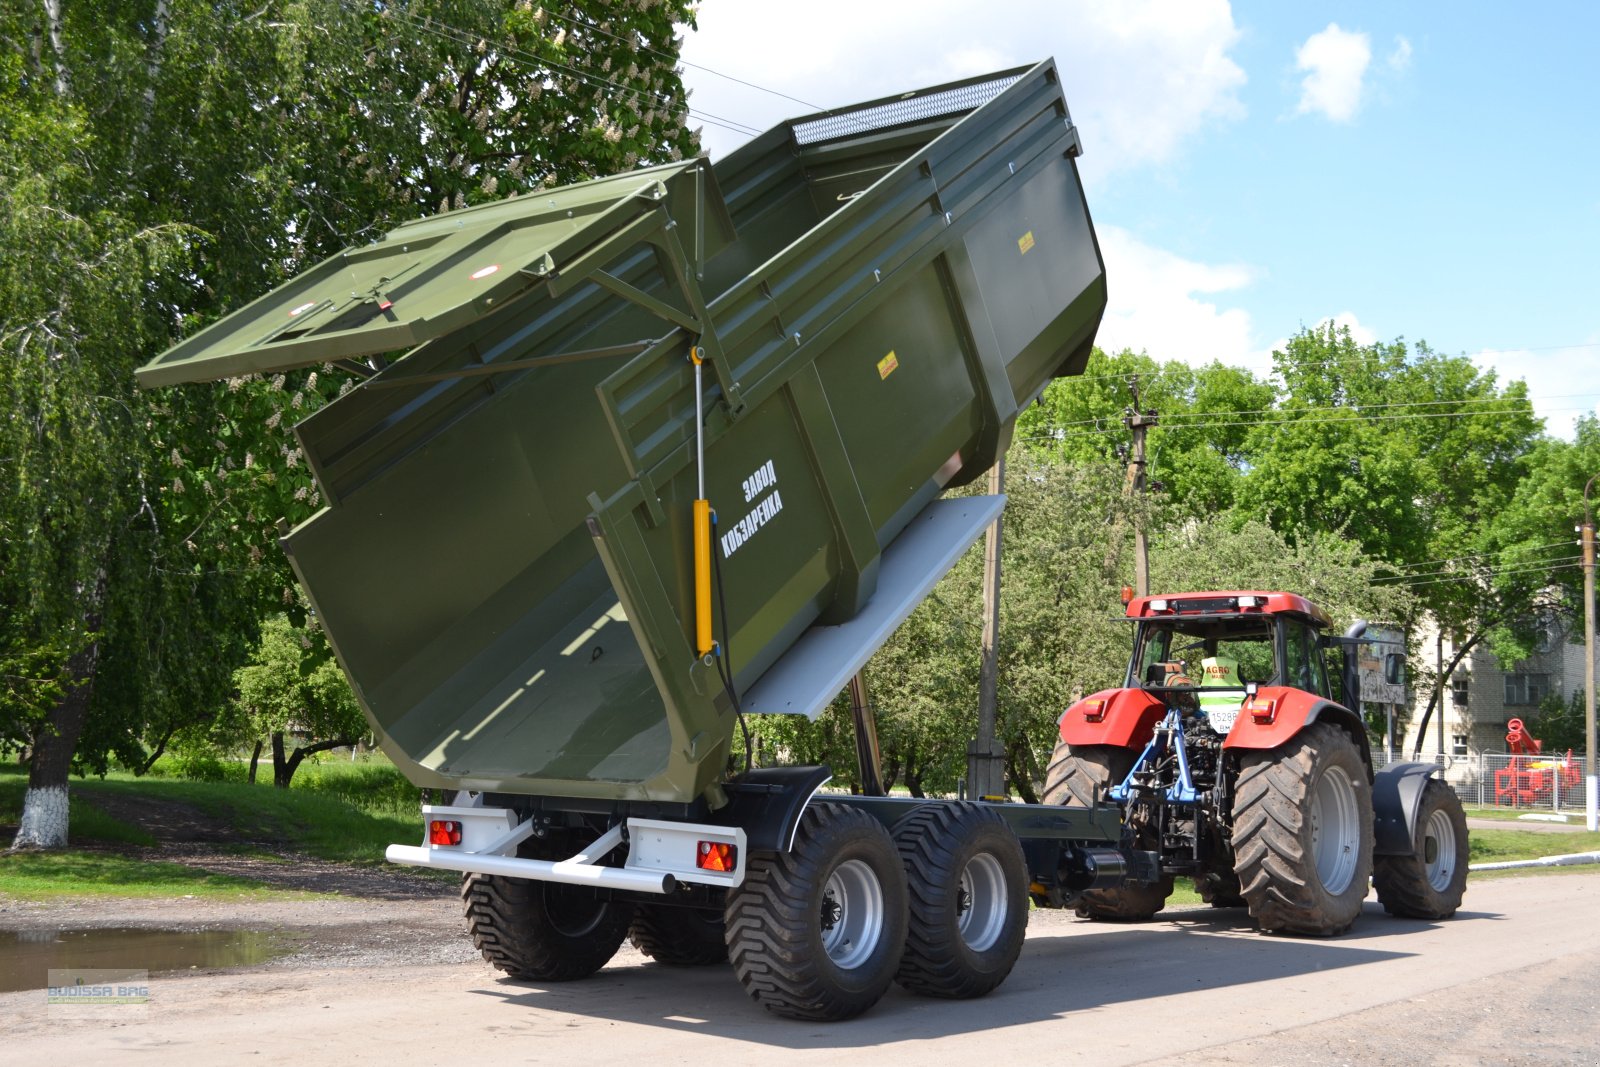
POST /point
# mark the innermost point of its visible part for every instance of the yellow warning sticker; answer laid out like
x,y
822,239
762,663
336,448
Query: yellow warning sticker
x,y
887,365
1025,242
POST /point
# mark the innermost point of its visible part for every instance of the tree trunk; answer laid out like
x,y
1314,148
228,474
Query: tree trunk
x,y
285,764
52,14
255,760
1019,764
155,754
44,806
1438,692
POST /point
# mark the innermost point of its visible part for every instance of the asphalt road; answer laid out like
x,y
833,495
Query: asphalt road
x,y
1514,979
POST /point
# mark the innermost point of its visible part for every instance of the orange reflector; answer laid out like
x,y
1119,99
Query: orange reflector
x,y
1263,710
717,856
444,832
1094,710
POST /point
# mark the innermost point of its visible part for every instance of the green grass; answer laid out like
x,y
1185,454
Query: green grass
x,y
44,875
1515,815
334,811
1500,846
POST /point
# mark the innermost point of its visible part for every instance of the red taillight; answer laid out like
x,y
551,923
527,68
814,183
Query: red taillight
x,y
1262,709
444,832
717,856
1094,710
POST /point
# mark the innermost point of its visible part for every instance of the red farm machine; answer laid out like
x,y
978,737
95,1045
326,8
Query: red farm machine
x,y
1234,762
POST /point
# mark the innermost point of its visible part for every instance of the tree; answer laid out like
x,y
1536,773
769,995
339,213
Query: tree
x,y
293,692
217,148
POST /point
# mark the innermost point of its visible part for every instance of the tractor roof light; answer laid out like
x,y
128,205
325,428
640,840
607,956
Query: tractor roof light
x,y
1159,605
1252,602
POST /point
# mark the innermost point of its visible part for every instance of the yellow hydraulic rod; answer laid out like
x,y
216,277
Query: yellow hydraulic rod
x,y
702,525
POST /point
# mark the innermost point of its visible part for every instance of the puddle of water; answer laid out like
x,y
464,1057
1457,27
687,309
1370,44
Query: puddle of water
x,y
25,955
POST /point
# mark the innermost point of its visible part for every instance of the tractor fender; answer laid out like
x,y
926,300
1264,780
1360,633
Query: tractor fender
x,y
1125,718
1292,710
1396,795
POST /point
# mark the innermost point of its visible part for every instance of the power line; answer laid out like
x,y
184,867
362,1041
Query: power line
x,y
1298,422
1309,364
1405,579
1228,412
1480,555
447,32
590,27
1481,577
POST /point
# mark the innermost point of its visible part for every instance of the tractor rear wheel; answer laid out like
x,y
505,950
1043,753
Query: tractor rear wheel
x,y
542,931
968,883
1080,778
1302,833
817,932
678,936
1429,883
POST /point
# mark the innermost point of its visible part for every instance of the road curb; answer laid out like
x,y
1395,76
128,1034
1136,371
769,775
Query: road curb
x,y
1572,860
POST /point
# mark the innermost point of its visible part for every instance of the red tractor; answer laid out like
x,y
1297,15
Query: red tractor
x,y
1235,763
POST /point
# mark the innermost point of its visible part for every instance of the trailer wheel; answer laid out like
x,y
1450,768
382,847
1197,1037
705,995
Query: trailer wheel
x,y
542,931
968,889
679,937
1302,833
1080,778
1429,883
817,932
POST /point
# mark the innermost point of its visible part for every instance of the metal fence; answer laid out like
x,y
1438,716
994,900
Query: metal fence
x,y
1494,780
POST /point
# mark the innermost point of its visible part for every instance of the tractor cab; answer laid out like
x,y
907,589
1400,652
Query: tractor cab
x,y
1210,651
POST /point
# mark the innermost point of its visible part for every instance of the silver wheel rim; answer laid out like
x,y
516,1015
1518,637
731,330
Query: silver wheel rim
x,y
981,902
1439,850
852,914
1335,830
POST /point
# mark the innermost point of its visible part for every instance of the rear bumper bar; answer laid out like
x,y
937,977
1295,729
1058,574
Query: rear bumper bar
x,y
565,871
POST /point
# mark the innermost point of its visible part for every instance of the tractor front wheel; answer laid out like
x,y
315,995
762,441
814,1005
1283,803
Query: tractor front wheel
x,y
1430,882
1302,833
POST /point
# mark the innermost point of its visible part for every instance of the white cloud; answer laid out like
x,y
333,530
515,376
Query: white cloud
x,y
1555,379
1400,58
1336,62
1158,303
1142,78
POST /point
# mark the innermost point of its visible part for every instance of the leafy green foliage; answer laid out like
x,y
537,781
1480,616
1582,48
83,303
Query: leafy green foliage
x,y
293,688
1560,724
162,164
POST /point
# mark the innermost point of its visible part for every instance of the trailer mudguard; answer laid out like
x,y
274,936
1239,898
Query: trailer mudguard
x,y
1278,712
767,803
1396,795
1125,718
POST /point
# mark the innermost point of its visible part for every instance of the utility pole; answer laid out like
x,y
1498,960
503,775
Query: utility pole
x,y
1138,422
985,757
1591,786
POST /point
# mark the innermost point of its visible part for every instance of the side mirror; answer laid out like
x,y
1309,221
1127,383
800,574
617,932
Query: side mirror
x,y
1394,669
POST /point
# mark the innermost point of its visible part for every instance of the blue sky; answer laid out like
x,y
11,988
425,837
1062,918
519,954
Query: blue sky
x,y
1429,172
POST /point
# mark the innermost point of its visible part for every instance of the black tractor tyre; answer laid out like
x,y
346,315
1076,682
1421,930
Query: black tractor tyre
x,y
1080,778
542,931
968,886
817,932
1302,833
679,936
1429,883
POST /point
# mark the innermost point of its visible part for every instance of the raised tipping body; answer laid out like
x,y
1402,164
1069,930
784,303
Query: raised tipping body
x,y
504,564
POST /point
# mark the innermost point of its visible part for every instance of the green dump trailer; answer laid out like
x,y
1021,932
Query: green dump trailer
x,y
817,336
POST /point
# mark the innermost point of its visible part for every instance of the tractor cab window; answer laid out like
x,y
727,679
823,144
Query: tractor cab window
x,y
1303,659
1177,653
